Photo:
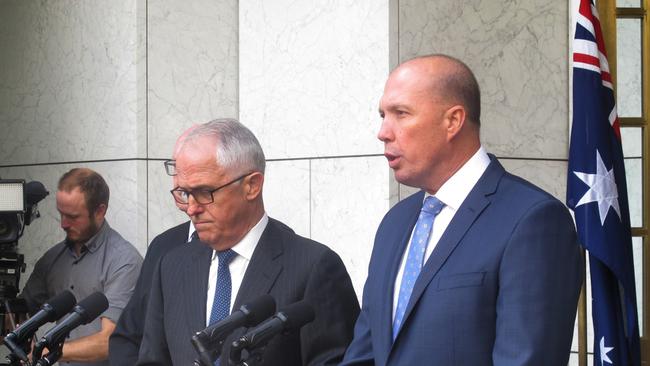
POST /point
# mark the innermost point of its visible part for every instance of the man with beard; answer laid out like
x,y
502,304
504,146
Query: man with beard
x,y
93,257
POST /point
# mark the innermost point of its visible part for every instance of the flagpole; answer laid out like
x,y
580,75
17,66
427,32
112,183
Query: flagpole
x,y
582,317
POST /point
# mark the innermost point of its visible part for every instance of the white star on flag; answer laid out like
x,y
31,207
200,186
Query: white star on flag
x,y
604,350
602,189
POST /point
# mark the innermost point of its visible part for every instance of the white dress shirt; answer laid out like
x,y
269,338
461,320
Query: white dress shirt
x,y
238,265
192,230
452,193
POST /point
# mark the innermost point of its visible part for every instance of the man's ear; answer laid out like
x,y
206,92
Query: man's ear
x,y
456,119
100,212
253,185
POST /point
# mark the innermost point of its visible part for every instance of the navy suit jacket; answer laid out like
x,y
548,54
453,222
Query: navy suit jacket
x,y
500,288
284,265
125,341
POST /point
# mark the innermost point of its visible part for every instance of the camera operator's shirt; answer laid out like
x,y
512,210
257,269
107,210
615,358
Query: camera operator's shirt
x,y
107,263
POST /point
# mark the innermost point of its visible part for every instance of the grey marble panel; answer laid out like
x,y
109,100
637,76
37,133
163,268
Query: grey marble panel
x,y
193,65
126,212
518,50
311,74
287,195
349,197
68,81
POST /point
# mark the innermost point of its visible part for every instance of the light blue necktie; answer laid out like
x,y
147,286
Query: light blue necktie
x,y
415,259
221,304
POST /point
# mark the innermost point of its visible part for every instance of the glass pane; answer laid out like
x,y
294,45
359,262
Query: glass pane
x,y
632,138
634,177
637,250
628,3
628,67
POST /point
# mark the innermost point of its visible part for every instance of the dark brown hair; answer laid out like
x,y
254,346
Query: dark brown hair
x,y
90,183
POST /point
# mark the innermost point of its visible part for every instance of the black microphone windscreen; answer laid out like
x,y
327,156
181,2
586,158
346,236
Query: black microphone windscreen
x,y
259,309
92,306
61,304
298,314
34,192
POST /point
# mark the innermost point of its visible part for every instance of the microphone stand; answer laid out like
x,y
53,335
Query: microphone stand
x,y
238,357
18,352
51,357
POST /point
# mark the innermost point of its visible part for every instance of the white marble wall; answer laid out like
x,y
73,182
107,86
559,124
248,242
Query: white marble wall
x,y
68,81
310,77
69,97
109,85
192,59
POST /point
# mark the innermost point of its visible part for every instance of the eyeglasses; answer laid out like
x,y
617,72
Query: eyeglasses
x,y
201,196
170,167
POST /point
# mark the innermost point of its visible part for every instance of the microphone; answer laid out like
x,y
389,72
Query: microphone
x,y
86,311
34,192
51,311
209,341
292,317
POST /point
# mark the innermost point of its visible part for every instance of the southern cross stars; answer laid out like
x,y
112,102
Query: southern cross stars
x,y
602,189
604,350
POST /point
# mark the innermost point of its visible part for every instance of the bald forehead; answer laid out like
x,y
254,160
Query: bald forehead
x,y
431,67
181,139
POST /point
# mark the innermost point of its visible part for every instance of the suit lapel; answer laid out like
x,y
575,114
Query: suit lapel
x,y
467,214
264,266
195,285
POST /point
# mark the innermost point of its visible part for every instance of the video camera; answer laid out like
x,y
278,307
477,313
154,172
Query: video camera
x,y
18,207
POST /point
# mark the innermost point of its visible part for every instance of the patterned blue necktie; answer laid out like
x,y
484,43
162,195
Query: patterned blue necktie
x,y
221,304
415,259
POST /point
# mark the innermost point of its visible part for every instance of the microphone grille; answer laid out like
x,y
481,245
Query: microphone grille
x,y
259,309
60,305
298,314
92,306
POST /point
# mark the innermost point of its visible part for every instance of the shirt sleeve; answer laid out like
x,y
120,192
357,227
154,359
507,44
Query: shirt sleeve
x,y
120,280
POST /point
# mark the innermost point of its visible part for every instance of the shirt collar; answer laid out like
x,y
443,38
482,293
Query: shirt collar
x,y
248,243
96,241
192,230
454,191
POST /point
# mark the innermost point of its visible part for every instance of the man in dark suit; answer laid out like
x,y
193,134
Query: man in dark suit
x,y
241,255
480,267
124,343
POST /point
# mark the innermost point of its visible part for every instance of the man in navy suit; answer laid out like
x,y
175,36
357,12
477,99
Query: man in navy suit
x,y
242,254
487,271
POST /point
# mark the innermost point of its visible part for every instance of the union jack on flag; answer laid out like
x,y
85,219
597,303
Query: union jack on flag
x,y
597,193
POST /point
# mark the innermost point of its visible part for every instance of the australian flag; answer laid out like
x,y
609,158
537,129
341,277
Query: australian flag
x,y
596,191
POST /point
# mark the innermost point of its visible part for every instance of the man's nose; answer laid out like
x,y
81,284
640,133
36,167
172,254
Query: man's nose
x,y
193,207
385,131
65,223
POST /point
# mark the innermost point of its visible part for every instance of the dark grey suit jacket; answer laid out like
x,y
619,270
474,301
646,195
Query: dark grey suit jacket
x,y
125,341
284,265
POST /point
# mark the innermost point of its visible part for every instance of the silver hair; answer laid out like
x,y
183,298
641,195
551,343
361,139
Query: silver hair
x,y
237,148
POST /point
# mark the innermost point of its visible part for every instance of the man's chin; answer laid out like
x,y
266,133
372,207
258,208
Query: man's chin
x,y
75,240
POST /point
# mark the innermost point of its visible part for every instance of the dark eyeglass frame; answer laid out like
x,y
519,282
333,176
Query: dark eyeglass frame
x,y
176,192
170,167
